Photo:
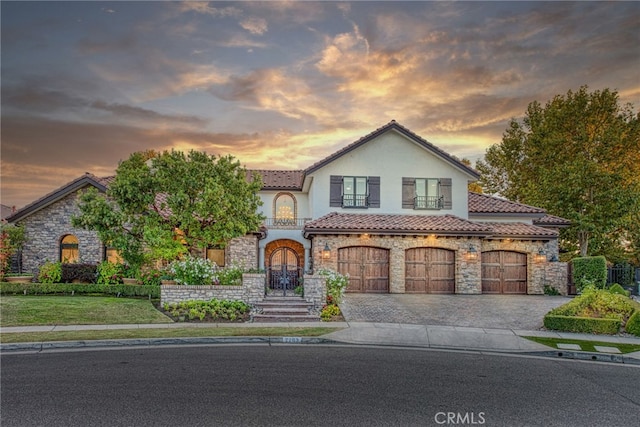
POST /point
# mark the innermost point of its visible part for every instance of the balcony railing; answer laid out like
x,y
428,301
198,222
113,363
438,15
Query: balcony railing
x,y
428,202
354,201
286,223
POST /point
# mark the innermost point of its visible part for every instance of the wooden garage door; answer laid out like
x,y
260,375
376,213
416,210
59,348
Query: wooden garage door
x,y
430,270
504,272
368,268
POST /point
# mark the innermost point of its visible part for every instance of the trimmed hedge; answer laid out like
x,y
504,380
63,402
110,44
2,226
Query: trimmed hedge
x,y
633,324
582,324
78,288
591,269
84,273
617,289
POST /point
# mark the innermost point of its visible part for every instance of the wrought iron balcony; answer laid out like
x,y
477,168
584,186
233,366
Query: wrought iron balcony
x,y
286,223
355,201
429,202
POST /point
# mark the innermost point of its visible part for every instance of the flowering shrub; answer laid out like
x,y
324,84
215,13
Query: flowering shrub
x,y
336,285
229,276
193,271
50,272
151,277
328,311
109,273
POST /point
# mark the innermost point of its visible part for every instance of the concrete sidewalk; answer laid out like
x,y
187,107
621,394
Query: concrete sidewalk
x,y
389,334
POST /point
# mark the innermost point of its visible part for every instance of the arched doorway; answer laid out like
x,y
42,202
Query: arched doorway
x,y
284,263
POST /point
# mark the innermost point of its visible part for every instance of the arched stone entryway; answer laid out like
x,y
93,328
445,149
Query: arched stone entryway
x,y
284,261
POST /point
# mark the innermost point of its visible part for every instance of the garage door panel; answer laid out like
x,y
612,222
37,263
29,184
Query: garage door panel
x,y
429,270
367,267
504,272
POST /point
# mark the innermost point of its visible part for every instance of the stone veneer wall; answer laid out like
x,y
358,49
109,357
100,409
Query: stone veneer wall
x,y
243,251
315,290
556,275
45,229
251,291
467,273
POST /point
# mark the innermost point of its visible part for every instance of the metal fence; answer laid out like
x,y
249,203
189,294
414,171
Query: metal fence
x,y
625,275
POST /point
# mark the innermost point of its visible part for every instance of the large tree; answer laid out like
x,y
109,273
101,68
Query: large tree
x,y
160,205
579,158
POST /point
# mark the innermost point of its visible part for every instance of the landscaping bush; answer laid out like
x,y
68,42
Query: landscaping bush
x,y
597,303
582,324
550,290
617,289
633,324
228,276
151,277
590,270
336,285
193,271
83,273
109,273
208,310
79,289
50,272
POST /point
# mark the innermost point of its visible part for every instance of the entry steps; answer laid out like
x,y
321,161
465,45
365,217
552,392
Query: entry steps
x,y
284,309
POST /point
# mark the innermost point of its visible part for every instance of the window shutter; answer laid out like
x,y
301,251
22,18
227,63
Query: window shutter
x,y
335,191
408,192
374,191
445,192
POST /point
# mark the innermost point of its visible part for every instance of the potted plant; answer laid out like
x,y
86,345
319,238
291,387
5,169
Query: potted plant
x,y
18,278
167,278
129,275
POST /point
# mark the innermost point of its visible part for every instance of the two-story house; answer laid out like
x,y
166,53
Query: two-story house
x,y
390,209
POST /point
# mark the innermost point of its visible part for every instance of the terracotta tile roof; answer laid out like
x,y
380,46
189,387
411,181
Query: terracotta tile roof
x,y
280,179
395,224
520,230
486,204
406,132
551,221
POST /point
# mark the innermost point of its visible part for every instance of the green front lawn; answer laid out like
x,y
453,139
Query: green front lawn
x,y
76,310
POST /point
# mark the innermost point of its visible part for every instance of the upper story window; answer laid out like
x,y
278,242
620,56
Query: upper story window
x,y
285,209
426,193
355,191
69,251
112,255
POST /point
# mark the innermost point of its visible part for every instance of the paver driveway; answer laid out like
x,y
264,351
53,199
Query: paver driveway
x,y
480,311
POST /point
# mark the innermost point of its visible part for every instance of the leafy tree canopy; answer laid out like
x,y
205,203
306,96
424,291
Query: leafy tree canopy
x,y
578,157
160,205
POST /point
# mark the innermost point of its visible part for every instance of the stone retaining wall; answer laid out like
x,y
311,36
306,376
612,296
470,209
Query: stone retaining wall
x,y
315,290
251,291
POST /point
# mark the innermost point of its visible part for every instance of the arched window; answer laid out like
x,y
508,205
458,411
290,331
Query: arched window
x,y
69,252
284,209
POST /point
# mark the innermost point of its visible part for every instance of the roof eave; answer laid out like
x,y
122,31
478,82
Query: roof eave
x,y
55,196
437,233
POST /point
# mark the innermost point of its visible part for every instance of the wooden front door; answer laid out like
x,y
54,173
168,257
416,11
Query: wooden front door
x,y
367,267
430,270
504,272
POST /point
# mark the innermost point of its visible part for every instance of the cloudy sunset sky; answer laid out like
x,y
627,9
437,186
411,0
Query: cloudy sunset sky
x,y
280,85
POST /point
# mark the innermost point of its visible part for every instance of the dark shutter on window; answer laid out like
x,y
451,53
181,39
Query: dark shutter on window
x,y
335,191
445,192
374,191
408,192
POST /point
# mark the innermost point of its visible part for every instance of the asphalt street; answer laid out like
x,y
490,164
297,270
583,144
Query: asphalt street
x,y
307,385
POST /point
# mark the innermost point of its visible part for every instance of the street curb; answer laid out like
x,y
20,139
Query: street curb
x,y
585,355
157,342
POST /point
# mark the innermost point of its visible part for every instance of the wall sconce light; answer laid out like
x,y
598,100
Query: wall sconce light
x,y
472,254
326,252
540,256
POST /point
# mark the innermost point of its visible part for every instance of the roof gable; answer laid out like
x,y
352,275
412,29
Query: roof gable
x,y
394,126
85,180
